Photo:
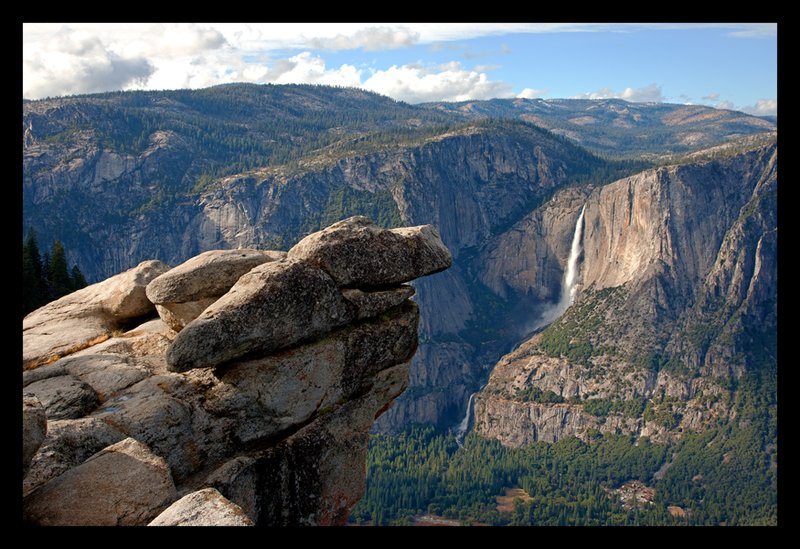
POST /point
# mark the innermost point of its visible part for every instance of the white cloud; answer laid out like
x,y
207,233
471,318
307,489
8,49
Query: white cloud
x,y
306,68
89,57
726,105
81,59
251,37
165,40
413,83
763,107
173,40
70,59
648,94
172,74
469,54
370,39
756,30
449,66
530,93
432,32
450,83
651,93
72,62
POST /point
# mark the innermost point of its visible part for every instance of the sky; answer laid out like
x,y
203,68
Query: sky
x,y
725,65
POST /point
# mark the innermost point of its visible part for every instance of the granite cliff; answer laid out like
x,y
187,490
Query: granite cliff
x,y
237,388
676,302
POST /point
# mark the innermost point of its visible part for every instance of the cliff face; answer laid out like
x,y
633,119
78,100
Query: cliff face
x,y
471,184
526,263
468,185
677,297
264,399
123,178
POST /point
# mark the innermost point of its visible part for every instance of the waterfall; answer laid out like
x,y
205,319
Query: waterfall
x,y
568,289
463,427
568,286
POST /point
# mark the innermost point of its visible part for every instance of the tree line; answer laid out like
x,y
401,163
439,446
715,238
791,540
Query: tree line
x,y
726,474
46,278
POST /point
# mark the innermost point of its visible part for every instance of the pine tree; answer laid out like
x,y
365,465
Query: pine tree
x,y
45,278
47,292
77,279
33,287
60,281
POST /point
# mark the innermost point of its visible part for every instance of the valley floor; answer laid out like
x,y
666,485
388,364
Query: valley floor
x,y
724,476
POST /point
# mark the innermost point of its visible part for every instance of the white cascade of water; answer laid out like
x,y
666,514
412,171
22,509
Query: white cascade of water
x,y
463,427
568,291
569,286
570,277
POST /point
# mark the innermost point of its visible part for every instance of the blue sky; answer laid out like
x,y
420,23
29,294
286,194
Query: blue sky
x,y
730,65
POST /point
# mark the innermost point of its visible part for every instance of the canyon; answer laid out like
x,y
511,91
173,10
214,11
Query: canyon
x,y
614,264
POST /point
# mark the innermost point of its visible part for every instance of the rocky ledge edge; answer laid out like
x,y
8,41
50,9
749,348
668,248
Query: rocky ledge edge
x,y
238,388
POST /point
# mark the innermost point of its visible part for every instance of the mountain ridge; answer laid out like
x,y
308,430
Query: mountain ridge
x,y
170,198
626,128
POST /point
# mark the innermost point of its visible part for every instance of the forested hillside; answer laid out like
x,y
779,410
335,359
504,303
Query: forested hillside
x,y
724,475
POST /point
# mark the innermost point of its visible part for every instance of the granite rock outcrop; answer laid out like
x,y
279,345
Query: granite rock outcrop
x,y
263,403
